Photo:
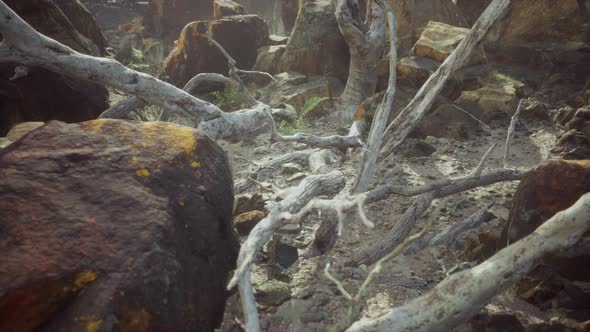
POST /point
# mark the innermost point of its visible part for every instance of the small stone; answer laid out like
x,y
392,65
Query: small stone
x,y
290,168
284,254
247,203
417,148
245,222
272,293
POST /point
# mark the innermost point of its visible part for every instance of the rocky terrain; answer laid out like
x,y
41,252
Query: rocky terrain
x,y
126,222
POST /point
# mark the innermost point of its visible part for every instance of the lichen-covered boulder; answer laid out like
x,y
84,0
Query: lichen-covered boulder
x,y
439,40
316,46
241,36
114,226
44,95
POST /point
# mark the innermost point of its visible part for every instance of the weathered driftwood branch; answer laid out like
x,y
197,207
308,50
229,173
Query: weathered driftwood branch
x,y
370,154
266,168
463,294
280,213
333,141
407,120
356,303
201,83
510,134
427,193
449,235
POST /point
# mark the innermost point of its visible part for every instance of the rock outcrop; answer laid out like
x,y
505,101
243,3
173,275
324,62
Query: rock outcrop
x,y
240,35
316,46
111,225
44,95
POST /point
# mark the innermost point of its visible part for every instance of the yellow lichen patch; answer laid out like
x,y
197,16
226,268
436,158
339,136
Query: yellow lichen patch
x,y
142,172
136,320
176,139
84,278
195,164
93,325
94,125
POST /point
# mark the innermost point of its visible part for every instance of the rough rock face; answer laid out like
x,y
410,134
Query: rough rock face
x,y
222,8
111,225
44,95
166,18
550,188
280,14
448,121
268,59
240,35
438,40
581,121
413,16
316,46
531,22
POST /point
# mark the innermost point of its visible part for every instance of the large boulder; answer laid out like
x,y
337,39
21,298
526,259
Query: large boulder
x,y
316,46
240,35
533,22
114,226
414,15
552,187
44,95
439,40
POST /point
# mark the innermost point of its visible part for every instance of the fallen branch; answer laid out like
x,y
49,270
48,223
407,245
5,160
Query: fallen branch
x,y
408,118
369,156
450,234
427,193
463,294
510,134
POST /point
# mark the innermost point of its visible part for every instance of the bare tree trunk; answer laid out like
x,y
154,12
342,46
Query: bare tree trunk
x,y
365,37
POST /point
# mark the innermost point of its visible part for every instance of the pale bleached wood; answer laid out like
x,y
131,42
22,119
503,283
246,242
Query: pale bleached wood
x,y
409,117
375,138
462,295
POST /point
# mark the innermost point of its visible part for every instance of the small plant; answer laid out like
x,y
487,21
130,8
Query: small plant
x,y
293,124
136,58
148,113
229,98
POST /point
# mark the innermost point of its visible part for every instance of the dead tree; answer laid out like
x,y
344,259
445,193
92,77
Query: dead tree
x,y
364,32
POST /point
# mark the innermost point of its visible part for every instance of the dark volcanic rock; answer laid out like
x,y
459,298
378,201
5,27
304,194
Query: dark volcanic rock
x,y
552,187
44,95
116,226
